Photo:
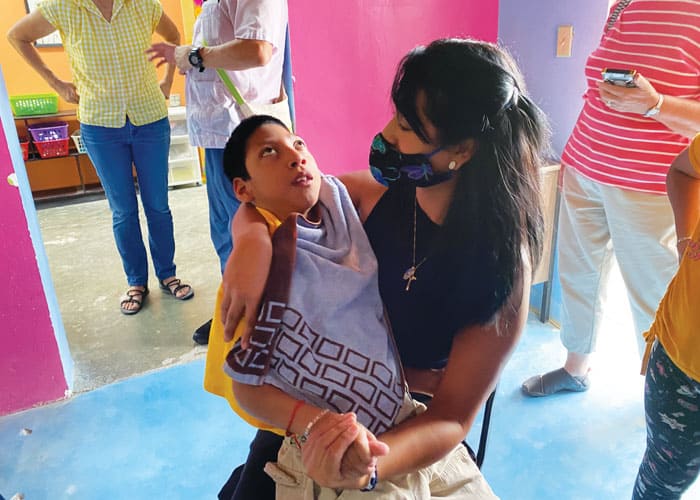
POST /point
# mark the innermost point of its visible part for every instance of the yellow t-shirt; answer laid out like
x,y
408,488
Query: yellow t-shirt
x,y
215,380
677,321
110,68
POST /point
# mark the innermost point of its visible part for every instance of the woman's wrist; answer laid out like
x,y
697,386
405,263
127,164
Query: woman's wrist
x,y
656,108
304,436
302,419
371,481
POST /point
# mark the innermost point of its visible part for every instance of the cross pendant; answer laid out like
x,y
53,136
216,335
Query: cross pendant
x,y
410,277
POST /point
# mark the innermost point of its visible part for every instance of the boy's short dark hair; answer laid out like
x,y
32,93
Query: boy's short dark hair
x,y
237,145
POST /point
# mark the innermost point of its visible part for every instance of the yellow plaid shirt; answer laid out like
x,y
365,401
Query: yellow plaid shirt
x,y
110,69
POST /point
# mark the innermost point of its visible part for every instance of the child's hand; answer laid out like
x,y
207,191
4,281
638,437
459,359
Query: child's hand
x,y
360,458
246,272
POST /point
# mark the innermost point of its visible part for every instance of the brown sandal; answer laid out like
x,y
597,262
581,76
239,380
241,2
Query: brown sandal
x,y
133,296
175,285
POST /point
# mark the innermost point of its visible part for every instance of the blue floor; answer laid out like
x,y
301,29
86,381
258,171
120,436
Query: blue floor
x,y
161,436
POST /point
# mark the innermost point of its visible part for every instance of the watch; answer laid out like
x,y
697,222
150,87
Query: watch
x,y
653,111
372,483
195,59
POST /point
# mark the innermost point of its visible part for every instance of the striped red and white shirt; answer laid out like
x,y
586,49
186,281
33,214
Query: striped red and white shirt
x,y
661,40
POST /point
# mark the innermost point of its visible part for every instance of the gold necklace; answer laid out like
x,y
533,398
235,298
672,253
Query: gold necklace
x,y
410,274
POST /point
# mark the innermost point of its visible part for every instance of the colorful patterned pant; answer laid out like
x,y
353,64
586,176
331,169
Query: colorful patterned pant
x,y
672,459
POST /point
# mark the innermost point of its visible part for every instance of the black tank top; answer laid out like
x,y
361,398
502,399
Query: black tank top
x,y
422,326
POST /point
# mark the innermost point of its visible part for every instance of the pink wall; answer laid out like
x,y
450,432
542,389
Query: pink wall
x,y
344,55
31,371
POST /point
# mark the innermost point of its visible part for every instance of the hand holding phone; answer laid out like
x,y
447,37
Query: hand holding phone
x,y
620,77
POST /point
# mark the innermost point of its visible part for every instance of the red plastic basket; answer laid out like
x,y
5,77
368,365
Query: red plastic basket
x,y
48,131
24,143
52,149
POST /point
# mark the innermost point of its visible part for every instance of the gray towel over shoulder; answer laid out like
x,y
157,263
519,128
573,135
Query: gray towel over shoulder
x,y
321,335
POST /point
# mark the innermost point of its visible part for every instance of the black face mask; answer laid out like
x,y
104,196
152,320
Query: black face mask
x,y
390,166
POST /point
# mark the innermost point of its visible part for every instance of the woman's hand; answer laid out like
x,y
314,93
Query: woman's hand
x,y
169,53
341,454
161,53
360,459
681,245
66,90
182,58
637,100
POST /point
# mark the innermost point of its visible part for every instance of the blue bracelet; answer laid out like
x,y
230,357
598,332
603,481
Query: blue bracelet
x,y
372,481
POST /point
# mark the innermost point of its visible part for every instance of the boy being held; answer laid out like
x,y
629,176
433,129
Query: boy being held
x,y
321,347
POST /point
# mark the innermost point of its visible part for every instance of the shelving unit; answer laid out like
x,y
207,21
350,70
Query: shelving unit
x,y
87,181
183,161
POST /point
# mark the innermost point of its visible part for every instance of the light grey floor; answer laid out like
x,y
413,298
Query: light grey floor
x,y
87,274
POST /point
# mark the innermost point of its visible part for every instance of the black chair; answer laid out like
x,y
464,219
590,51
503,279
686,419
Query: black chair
x,y
485,421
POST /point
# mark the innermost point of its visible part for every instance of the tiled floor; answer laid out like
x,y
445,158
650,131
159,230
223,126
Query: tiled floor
x,y
159,435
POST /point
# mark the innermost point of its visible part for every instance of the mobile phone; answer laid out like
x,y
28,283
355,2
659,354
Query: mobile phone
x,y
621,77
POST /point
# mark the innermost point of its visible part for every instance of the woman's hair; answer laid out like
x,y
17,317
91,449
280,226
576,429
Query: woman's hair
x,y
237,145
473,90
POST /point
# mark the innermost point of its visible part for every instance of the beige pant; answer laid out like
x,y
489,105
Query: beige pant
x,y
596,222
455,476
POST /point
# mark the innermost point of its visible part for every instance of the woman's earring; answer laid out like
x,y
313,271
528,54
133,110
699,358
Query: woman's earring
x,y
452,165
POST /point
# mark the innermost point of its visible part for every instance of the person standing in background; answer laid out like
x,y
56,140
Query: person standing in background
x,y
615,165
671,460
123,120
246,38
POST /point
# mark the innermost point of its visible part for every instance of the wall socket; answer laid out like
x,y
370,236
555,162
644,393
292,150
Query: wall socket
x,y
174,100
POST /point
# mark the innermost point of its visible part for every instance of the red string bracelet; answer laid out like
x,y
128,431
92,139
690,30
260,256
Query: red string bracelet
x,y
298,405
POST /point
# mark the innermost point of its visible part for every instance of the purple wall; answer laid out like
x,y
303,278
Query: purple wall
x,y
344,55
529,30
556,84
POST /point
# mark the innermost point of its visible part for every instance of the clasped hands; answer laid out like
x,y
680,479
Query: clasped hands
x,y
637,100
341,453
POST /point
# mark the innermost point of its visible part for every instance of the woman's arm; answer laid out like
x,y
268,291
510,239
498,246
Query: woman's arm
x,y
683,187
680,115
364,191
166,28
22,37
236,55
476,360
277,408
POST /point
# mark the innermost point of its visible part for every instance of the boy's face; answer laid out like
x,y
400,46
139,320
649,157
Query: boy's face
x,y
284,177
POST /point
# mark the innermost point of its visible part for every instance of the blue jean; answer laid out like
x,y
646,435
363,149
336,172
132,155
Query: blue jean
x,y
112,152
222,203
672,458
